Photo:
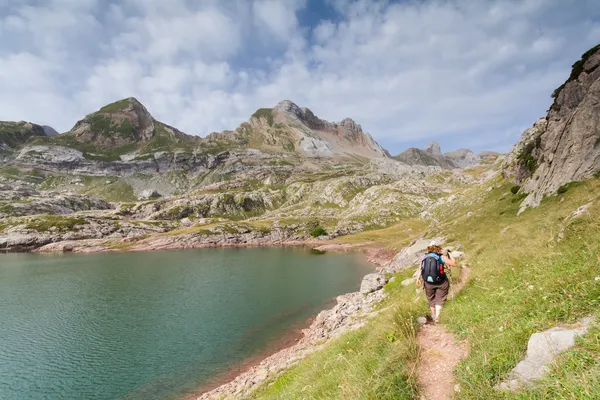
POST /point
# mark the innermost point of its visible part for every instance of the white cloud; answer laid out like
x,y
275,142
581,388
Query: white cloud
x,y
462,72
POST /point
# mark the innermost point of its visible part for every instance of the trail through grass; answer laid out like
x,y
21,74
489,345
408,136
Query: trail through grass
x,y
524,280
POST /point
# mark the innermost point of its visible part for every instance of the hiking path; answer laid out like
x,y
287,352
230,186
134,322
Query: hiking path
x,y
440,353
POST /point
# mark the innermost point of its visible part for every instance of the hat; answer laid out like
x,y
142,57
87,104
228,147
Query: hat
x,y
433,243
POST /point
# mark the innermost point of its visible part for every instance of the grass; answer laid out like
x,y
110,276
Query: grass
x,y
265,113
394,237
374,362
43,223
524,280
317,231
117,106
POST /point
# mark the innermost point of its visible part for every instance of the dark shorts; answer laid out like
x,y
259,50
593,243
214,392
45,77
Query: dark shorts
x,y
437,294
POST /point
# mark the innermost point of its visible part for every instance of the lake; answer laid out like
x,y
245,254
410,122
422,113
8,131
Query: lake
x,y
153,325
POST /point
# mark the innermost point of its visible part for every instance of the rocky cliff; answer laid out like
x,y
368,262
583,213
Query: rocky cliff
x,y
432,156
564,146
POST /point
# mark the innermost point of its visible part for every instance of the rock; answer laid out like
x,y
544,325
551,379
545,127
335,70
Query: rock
x,y
422,320
372,283
542,349
410,255
433,148
149,194
463,158
563,146
186,222
409,281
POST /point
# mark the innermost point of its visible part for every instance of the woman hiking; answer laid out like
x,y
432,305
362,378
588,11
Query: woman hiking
x,y
434,278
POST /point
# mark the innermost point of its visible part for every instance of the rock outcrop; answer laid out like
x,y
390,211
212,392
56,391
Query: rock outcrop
x,y
542,349
565,145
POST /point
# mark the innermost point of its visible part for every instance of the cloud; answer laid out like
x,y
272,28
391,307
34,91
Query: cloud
x,y
461,72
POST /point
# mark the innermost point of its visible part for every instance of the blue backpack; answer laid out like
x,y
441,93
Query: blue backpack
x,y
432,269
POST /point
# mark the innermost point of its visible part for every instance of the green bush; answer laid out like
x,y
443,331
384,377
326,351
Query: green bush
x,y
563,189
515,189
317,231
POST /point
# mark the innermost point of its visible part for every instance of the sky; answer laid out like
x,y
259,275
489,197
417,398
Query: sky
x,y
468,74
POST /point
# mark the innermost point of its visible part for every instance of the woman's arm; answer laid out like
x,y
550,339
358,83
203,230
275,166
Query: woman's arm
x,y
448,260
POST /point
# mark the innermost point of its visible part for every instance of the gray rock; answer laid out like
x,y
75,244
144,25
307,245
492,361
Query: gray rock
x,y
149,194
372,283
410,255
542,349
422,320
409,281
563,147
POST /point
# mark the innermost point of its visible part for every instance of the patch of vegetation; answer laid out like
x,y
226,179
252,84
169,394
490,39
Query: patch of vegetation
x,y
374,362
265,113
515,189
576,70
118,191
44,223
7,209
565,188
394,237
317,231
290,147
116,106
526,155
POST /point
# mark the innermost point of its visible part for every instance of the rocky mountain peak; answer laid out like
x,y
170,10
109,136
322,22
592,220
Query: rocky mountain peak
x,y
349,124
289,107
565,145
433,148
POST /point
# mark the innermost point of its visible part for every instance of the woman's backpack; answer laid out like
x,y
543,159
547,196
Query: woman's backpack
x,y
432,269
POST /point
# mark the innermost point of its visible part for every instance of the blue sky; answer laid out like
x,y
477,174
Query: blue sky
x,y
469,74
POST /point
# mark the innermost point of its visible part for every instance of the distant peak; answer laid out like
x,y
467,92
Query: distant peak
x,y
124,104
433,148
288,106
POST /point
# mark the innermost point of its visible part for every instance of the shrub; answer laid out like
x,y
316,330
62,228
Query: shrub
x,y
563,189
515,189
317,231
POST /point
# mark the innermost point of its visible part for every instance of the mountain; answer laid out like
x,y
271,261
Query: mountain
x,y
563,146
128,122
432,156
49,131
16,134
289,129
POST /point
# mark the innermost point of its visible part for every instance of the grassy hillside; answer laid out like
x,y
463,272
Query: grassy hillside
x,y
524,280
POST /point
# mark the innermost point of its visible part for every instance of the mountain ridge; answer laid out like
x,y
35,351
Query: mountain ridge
x,y
432,156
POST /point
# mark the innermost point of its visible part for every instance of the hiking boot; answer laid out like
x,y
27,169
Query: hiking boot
x,y
436,320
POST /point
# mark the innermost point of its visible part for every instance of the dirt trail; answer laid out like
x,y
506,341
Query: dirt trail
x,y
440,354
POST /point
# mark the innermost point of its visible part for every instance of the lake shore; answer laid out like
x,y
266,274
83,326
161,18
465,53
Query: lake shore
x,y
349,313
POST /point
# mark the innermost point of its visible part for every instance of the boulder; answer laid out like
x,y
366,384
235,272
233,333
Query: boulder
x,y
542,349
149,194
372,283
410,255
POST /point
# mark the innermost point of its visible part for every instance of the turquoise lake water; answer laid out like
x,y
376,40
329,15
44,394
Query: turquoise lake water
x,y
152,325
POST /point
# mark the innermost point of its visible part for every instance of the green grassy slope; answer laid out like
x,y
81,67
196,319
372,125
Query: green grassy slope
x,y
524,280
